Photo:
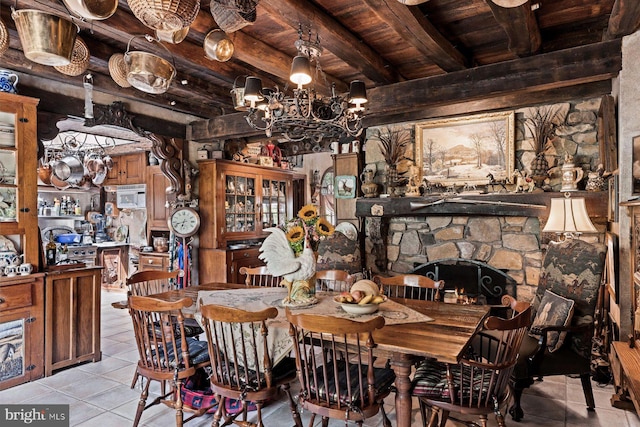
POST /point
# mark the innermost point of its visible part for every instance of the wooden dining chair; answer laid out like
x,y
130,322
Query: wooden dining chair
x,y
333,280
165,353
145,283
479,383
259,276
347,387
242,362
412,286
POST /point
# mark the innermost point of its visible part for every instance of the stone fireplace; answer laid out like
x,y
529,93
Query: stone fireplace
x,y
504,233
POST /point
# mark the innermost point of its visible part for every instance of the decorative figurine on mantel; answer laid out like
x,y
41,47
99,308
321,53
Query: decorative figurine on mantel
x,y
290,252
413,188
542,123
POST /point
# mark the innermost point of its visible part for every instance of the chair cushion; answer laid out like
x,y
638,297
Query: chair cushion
x,y
198,351
554,311
196,393
430,381
384,378
573,269
284,371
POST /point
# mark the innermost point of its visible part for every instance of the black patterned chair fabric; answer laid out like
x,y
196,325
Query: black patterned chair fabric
x,y
572,269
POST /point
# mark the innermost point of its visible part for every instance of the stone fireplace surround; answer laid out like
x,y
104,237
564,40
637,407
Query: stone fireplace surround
x,y
399,237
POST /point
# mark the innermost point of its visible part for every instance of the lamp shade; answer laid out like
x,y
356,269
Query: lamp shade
x,y
252,89
569,215
357,92
300,71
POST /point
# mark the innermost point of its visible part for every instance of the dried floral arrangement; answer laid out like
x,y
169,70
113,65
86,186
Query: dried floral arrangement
x,y
394,142
542,122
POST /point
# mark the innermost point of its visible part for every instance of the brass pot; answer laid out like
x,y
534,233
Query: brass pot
x,y
44,173
36,28
218,46
148,72
173,37
93,10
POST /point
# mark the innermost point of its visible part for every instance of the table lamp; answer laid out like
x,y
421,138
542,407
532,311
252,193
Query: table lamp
x,y
568,217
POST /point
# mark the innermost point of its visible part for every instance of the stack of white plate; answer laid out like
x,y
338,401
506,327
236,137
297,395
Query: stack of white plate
x,y
7,137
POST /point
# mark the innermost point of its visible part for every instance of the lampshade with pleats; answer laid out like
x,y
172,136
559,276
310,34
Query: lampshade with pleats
x,y
569,215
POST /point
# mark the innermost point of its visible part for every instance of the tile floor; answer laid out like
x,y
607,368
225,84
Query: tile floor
x,y
99,393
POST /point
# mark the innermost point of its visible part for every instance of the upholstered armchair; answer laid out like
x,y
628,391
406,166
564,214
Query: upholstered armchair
x,y
560,338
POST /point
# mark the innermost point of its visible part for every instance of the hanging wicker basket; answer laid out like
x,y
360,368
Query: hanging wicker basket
x,y
245,6
118,70
79,59
4,38
231,19
165,15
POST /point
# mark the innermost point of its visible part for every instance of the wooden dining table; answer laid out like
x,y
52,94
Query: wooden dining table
x,y
444,338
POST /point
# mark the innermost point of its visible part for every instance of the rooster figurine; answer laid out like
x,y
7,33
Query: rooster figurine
x,y
296,272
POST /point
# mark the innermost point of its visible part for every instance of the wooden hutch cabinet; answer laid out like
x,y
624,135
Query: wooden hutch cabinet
x,y
21,297
157,212
238,201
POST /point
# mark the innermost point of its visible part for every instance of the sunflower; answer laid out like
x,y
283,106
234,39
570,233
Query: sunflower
x,y
295,236
324,228
308,213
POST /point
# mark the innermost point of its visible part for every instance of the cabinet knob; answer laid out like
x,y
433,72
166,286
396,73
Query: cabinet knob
x,y
246,255
150,261
24,209
2,300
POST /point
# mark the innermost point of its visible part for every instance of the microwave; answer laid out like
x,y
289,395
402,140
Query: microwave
x,y
131,196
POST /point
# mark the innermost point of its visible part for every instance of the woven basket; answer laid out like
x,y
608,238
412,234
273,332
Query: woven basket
x,y
118,70
245,6
80,57
4,38
165,15
230,20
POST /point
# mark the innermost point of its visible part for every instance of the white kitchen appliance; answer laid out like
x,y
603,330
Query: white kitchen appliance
x,y
132,196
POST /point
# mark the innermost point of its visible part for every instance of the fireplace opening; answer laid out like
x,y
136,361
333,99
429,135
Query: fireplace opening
x,y
477,280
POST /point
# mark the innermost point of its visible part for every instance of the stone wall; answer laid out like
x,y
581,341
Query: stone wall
x,y
510,244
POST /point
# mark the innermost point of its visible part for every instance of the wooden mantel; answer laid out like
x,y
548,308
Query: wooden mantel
x,y
497,204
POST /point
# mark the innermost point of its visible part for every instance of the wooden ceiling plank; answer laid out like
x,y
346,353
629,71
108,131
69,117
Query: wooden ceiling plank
x,y
418,31
519,22
624,19
555,70
335,38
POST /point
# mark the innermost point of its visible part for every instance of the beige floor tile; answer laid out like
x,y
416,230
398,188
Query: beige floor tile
x,y
105,419
108,364
113,397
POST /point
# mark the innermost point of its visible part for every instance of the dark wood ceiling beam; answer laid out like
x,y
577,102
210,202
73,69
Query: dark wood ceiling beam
x,y
418,31
517,79
335,38
624,19
519,22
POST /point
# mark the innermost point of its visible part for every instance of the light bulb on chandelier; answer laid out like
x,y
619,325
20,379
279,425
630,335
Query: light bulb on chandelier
x,y
305,114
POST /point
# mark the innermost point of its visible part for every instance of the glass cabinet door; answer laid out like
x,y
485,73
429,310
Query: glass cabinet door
x,y
274,203
8,172
240,204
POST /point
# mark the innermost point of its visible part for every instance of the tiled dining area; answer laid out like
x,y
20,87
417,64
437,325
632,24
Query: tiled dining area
x,y
99,394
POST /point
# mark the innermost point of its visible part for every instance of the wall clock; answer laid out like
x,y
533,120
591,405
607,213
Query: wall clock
x,y
184,222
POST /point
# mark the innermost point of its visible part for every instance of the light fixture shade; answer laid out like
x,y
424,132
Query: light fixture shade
x,y
569,215
300,70
357,92
252,89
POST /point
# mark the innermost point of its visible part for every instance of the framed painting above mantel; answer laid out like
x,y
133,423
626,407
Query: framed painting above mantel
x,y
466,150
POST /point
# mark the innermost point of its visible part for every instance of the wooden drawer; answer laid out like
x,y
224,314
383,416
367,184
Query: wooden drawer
x,y
153,262
244,254
15,296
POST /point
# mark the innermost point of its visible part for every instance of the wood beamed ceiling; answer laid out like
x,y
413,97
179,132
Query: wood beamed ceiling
x,y
438,58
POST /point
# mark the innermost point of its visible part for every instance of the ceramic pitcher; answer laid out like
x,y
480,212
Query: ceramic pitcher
x,y
8,81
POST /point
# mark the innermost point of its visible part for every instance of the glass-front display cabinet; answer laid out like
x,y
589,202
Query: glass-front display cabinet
x,y
238,201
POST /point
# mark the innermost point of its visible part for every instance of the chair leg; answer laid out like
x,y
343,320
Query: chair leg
x,y
433,420
423,412
292,406
178,404
588,391
135,379
141,403
516,411
219,412
385,420
444,418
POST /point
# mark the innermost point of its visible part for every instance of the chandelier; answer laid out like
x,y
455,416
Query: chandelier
x,y
305,114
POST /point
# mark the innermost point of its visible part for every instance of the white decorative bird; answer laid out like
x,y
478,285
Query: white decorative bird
x,y
295,271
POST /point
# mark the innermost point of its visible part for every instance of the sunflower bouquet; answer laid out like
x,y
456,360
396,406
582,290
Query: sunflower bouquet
x,y
308,219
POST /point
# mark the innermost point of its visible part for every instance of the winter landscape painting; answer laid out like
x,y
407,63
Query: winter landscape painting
x,y
466,151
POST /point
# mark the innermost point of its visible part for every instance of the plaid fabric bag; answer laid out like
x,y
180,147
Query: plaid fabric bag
x,y
196,393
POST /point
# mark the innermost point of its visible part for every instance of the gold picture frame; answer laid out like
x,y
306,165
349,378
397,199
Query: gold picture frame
x,y
465,150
